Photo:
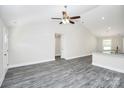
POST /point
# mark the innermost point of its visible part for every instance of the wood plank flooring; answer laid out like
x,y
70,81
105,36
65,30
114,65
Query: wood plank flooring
x,y
75,73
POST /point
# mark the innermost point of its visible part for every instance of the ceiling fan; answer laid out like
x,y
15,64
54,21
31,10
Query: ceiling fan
x,y
66,18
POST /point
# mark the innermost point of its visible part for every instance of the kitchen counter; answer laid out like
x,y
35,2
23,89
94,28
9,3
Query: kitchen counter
x,y
110,61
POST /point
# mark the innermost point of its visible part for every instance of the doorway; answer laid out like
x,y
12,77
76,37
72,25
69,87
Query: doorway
x,y
58,52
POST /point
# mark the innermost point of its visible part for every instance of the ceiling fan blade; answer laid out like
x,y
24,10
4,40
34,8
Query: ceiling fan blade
x,y
57,18
71,22
75,17
60,23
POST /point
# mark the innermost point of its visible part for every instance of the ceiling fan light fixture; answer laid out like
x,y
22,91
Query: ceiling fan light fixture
x,y
67,21
63,21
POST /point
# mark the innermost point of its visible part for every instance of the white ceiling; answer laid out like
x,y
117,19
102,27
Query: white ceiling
x,y
113,23
23,14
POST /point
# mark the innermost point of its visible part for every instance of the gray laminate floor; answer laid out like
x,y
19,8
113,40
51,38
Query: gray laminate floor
x,y
76,73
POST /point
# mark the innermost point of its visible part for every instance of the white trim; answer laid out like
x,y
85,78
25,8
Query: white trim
x,y
107,67
77,56
29,63
36,62
58,55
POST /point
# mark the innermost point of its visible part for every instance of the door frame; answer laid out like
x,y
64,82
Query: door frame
x,y
62,45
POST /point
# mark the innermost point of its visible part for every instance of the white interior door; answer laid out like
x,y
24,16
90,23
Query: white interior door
x,y
123,45
1,67
1,54
5,48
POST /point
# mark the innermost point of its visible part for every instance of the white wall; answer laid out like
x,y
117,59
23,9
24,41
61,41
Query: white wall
x,y
35,42
116,41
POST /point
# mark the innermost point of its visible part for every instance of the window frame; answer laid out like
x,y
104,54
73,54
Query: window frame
x,y
107,45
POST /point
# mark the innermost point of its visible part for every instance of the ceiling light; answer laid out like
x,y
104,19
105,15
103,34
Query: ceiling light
x,y
103,18
109,28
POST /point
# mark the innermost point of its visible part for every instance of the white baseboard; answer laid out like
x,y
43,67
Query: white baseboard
x,y
58,54
77,56
36,62
110,68
28,63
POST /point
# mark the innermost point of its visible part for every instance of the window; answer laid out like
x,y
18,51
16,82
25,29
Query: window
x,y
107,44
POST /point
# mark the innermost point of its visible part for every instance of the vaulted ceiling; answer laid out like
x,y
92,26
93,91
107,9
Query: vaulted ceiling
x,y
100,20
105,20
